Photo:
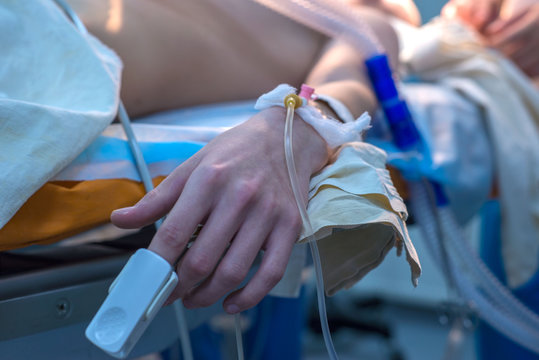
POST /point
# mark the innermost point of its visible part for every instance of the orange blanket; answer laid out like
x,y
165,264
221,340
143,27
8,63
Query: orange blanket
x,y
64,208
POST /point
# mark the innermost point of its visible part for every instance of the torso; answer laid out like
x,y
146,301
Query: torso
x,y
185,52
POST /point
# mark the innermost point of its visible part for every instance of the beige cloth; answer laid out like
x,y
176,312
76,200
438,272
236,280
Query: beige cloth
x,y
357,217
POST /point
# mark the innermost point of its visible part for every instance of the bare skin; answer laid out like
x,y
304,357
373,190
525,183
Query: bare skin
x,y
181,53
510,26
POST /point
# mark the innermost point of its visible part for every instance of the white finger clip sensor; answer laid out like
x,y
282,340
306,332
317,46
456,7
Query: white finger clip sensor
x,y
135,297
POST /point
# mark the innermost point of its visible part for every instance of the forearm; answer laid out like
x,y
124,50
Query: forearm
x,y
340,71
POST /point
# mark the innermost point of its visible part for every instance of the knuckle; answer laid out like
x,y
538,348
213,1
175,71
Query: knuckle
x,y
272,277
197,265
245,191
211,175
169,236
269,206
151,196
232,274
292,218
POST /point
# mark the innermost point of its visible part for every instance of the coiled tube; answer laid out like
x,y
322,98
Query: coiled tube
x,y
491,300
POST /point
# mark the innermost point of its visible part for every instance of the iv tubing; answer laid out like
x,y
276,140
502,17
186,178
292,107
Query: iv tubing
x,y
292,174
239,339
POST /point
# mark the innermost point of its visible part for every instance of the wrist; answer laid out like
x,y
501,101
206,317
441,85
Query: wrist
x,y
310,150
332,131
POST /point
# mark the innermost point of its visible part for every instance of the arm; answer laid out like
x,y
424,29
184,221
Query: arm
x,y
238,187
347,80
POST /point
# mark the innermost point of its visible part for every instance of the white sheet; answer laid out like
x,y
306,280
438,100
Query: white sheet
x,y
58,91
451,56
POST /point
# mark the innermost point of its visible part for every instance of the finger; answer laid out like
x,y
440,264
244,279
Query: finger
x,y
502,25
512,33
463,10
157,203
272,268
190,209
484,14
238,260
218,232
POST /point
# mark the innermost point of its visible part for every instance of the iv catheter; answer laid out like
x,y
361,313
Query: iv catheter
x,y
291,103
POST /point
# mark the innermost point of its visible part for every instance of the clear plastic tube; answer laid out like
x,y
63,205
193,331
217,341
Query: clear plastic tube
x,y
239,337
473,280
332,18
292,174
489,284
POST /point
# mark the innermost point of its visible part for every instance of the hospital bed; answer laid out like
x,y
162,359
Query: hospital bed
x,y
62,301
49,293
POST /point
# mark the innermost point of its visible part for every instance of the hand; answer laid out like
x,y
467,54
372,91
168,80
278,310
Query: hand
x,y
518,39
238,187
476,13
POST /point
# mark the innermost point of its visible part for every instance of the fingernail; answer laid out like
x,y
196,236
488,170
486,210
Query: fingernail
x,y
122,211
232,309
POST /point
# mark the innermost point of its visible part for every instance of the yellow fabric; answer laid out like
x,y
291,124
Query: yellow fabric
x,y
64,208
355,193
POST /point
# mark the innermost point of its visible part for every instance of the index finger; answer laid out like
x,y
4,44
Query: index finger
x,y
189,210
155,204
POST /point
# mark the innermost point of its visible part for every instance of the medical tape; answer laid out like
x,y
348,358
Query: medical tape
x,y
338,107
334,132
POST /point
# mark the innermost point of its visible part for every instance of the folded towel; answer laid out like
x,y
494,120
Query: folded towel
x,y
355,193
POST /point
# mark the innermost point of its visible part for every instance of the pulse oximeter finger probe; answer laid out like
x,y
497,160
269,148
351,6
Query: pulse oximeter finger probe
x,y
135,297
